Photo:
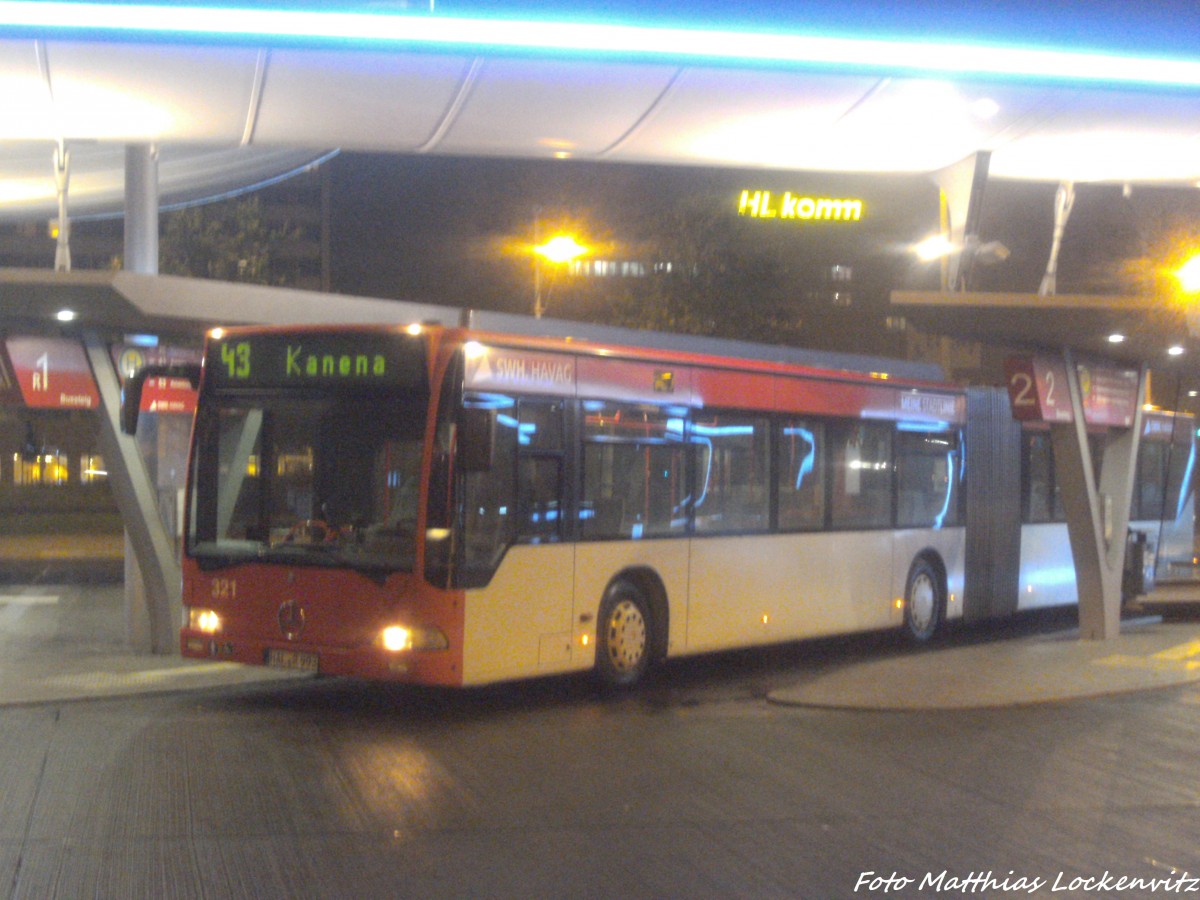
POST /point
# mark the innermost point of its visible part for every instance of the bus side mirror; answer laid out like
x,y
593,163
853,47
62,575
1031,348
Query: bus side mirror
x,y
131,392
131,401
476,439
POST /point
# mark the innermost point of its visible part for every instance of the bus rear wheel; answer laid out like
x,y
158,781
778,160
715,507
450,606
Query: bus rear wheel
x,y
623,640
922,601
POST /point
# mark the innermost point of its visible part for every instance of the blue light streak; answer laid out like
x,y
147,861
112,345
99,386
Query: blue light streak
x,y
674,44
939,521
1185,484
810,460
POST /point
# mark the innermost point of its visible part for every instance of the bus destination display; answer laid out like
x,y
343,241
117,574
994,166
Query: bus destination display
x,y
316,359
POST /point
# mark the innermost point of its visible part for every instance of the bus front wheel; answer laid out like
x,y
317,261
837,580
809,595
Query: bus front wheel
x,y
922,601
623,639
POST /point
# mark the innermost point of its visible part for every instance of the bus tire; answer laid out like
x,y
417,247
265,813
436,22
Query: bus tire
x,y
922,601
624,636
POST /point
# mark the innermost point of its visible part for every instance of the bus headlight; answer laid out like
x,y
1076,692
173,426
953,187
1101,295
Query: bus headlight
x,y
397,638
205,620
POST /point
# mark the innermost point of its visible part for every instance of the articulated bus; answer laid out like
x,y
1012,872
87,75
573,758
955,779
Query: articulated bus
x,y
440,505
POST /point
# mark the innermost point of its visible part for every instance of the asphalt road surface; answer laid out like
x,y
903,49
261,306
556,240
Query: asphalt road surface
x,y
695,787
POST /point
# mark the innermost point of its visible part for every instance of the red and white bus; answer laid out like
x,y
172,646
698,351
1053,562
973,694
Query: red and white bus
x,y
445,506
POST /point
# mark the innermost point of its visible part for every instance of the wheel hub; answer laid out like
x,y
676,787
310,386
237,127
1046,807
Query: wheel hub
x,y
626,636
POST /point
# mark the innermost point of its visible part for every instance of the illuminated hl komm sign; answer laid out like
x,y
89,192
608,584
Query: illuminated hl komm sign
x,y
798,207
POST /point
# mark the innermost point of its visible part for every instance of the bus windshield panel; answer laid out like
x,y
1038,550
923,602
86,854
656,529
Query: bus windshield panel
x,y
324,470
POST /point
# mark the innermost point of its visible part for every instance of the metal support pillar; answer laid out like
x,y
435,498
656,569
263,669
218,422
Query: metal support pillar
x,y
961,186
1064,199
141,209
1097,509
153,626
62,184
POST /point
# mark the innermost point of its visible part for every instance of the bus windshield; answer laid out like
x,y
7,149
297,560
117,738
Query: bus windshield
x,y
317,478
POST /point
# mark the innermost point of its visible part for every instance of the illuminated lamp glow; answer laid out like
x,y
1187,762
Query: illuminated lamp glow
x,y
395,638
205,620
561,248
604,39
1189,275
1116,338
217,333
21,190
414,329
934,247
985,108
1176,350
66,315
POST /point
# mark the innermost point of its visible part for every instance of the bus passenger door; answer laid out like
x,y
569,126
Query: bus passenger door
x,y
518,619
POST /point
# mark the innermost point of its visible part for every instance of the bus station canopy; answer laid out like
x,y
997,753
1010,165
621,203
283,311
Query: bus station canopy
x,y
1128,330
235,97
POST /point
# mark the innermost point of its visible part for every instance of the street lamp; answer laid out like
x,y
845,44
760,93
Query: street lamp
x,y
1189,275
562,248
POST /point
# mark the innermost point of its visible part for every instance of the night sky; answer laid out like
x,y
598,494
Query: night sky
x,y
429,228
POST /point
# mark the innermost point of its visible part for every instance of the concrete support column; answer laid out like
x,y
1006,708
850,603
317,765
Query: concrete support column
x,y
152,577
153,598
1097,508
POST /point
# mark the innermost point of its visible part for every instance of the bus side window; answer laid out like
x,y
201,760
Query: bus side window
x,y
732,494
1148,498
489,498
1037,480
634,482
927,476
862,477
801,467
540,470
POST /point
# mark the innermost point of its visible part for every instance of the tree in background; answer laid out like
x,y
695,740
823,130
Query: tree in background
x,y
700,275
227,241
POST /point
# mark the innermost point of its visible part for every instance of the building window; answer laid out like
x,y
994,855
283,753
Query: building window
x,y
91,468
47,467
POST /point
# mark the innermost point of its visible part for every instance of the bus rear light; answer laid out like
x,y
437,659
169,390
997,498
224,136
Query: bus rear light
x,y
398,638
205,620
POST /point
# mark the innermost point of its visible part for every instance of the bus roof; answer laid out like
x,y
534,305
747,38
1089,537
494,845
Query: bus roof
x,y
527,326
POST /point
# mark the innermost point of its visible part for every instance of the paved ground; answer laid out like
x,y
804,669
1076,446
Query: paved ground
x,y
67,642
1043,668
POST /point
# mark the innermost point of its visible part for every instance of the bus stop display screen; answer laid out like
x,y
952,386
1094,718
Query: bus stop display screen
x,y
316,359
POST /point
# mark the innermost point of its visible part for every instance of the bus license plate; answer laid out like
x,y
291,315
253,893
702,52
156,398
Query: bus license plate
x,y
292,659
